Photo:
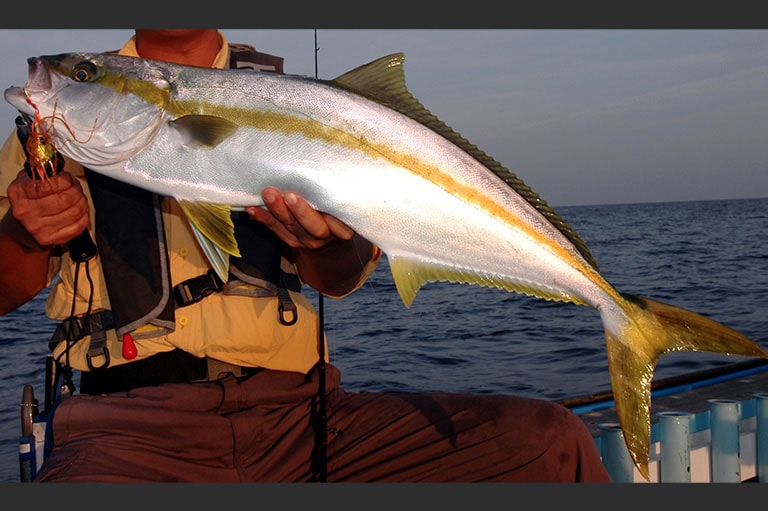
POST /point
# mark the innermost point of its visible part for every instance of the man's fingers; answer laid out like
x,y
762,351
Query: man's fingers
x,y
339,228
53,211
296,222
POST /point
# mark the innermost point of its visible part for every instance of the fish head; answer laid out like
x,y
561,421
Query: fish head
x,y
99,109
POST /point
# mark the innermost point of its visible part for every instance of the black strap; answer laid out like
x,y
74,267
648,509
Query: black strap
x,y
195,289
97,356
75,328
166,367
287,311
175,366
290,281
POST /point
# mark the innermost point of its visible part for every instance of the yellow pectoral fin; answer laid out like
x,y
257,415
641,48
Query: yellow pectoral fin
x,y
213,227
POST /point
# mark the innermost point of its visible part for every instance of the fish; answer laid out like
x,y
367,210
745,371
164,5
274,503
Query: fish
x,y
362,148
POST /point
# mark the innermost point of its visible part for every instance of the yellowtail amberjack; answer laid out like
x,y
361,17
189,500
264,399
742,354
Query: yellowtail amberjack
x,y
363,149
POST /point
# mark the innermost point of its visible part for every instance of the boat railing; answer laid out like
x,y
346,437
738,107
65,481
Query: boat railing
x,y
727,443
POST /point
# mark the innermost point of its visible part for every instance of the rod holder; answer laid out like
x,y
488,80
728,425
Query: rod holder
x,y
674,437
725,449
615,454
761,415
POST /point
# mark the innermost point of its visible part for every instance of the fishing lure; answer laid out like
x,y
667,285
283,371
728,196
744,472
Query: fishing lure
x,y
43,161
42,157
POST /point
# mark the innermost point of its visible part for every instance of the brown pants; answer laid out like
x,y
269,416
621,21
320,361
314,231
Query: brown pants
x,y
263,428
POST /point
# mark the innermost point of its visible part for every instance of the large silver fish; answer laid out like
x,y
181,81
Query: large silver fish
x,y
363,149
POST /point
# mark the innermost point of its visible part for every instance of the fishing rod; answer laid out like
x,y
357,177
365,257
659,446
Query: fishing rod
x,y
322,440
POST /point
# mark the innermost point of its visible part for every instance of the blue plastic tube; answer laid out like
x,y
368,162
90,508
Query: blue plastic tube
x,y
674,433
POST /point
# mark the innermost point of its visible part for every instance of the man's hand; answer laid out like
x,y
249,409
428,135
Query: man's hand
x,y
53,210
337,268
297,223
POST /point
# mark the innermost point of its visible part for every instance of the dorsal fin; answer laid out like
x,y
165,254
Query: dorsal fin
x,y
383,81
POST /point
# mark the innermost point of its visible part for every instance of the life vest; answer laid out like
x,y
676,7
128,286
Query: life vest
x,y
135,262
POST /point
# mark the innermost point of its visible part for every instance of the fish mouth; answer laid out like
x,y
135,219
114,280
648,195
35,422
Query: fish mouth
x,y
38,85
17,97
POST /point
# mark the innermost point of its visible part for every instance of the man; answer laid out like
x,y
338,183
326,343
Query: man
x,y
220,382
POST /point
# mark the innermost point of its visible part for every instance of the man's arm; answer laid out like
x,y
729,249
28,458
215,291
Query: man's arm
x,y
23,265
336,268
42,215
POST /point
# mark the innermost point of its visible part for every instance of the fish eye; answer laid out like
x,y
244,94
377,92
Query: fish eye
x,y
84,71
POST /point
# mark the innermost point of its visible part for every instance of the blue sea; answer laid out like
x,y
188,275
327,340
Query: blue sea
x,y
707,256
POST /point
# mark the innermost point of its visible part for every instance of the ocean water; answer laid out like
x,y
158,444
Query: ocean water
x,y
707,256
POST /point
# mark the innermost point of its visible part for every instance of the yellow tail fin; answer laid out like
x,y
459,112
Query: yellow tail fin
x,y
653,329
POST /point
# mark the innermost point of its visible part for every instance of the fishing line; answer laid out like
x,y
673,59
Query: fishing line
x,y
322,413
322,440
71,337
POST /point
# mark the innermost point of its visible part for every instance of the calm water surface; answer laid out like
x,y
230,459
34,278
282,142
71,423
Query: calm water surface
x,y
708,256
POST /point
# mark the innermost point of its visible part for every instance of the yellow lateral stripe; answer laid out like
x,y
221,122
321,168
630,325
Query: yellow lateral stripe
x,y
312,129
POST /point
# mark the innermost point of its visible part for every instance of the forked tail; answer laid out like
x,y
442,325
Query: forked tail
x,y
653,329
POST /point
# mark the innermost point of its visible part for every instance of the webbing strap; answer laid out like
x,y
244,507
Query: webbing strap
x,y
195,289
98,346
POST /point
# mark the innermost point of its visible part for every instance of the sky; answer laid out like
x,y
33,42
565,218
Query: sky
x,y
603,116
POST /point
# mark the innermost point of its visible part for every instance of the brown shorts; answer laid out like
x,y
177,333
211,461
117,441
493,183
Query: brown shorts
x,y
263,428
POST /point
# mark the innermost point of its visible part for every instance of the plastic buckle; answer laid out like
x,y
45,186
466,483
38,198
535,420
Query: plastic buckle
x,y
98,345
195,289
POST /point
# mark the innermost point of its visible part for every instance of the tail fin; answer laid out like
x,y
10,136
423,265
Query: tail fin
x,y
653,329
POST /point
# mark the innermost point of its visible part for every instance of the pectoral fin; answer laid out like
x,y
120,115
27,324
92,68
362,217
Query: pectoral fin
x,y
213,227
203,130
